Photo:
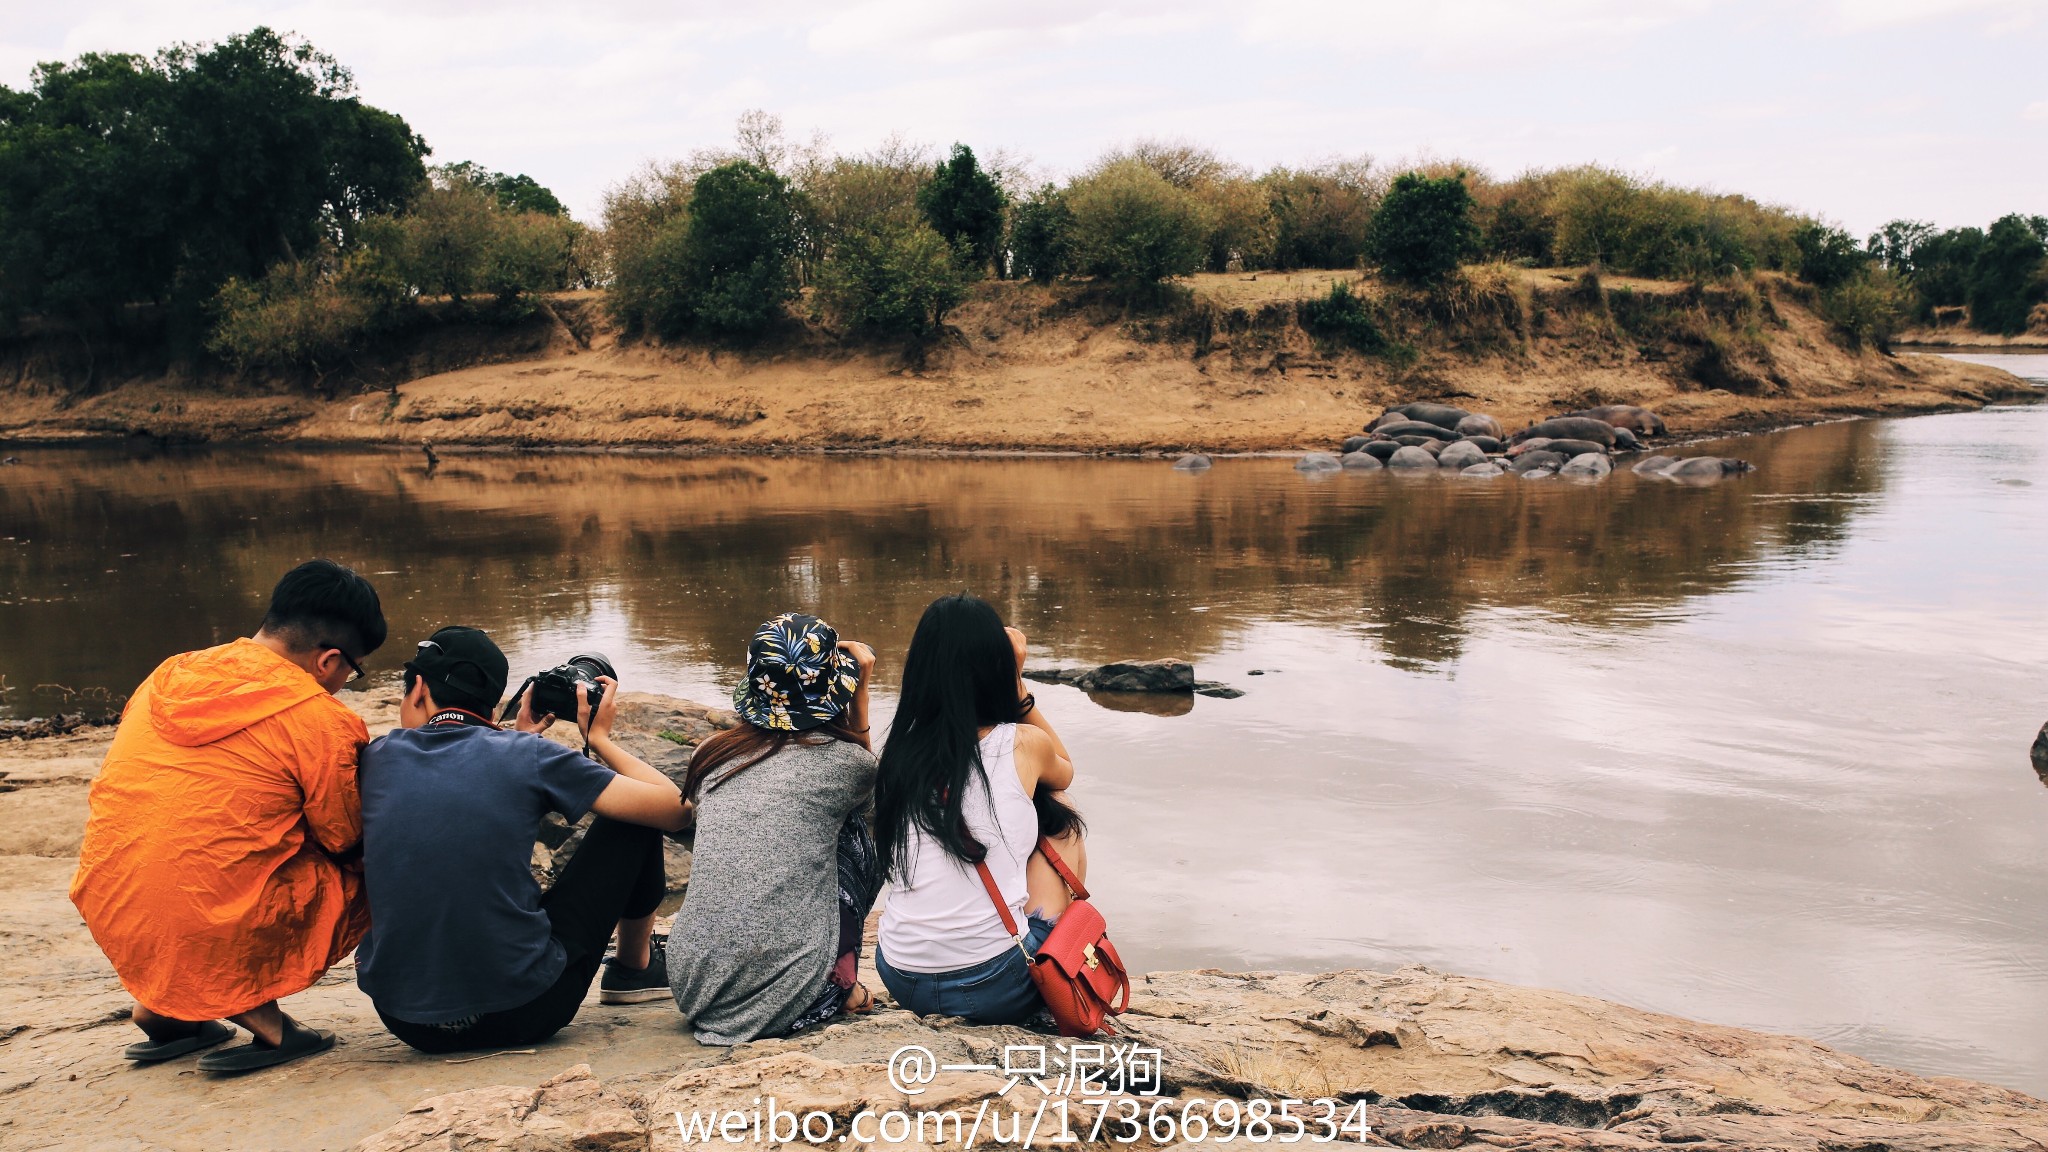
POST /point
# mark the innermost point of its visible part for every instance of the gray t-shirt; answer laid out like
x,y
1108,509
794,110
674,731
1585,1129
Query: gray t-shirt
x,y
759,928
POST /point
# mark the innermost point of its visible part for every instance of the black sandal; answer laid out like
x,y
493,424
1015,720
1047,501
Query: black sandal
x,y
298,1040
206,1035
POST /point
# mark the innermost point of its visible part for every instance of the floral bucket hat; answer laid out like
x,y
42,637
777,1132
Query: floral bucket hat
x,y
797,676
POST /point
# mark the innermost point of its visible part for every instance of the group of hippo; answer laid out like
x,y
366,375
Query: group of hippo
x,y
1576,444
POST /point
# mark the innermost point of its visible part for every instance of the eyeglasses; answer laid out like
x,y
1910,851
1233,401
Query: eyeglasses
x,y
355,669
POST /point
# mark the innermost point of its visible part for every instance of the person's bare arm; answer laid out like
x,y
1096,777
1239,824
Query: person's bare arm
x,y
1055,769
641,794
857,712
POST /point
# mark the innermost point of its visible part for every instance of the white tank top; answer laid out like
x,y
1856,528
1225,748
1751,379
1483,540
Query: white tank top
x,y
939,918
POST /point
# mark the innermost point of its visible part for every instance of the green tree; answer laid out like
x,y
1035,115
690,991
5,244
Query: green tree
x,y
1423,229
1828,257
724,266
124,179
1042,236
897,280
965,205
2006,279
1320,216
1132,228
521,193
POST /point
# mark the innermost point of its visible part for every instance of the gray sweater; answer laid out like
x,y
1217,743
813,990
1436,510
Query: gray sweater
x,y
759,927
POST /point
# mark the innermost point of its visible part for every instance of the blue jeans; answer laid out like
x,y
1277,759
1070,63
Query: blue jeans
x,y
996,991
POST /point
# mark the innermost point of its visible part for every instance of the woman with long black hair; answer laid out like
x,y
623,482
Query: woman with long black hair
x,y
972,773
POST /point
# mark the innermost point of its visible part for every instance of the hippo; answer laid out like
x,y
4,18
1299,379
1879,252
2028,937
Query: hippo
x,y
1653,466
1486,470
1569,428
1587,466
1544,473
1442,415
1570,448
1415,428
1416,441
1533,444
1490,445
1641,421
1704,469
1317,462
1480,424
1354,443
1380,450
1411,457
1461,454
1354,461
1532,461
1192,462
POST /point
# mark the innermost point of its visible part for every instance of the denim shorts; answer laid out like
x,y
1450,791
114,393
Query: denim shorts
x,y
996,991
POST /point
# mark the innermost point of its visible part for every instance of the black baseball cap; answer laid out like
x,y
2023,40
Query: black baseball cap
x,y
463,668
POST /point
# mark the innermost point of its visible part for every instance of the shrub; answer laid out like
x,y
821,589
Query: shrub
x,y
2007,277
1868,307
1241,229
1320,216
1828,257
1132,228
1423,229
1342,318
965,205
457,241
1042,236
311,314
897,280
1612,219
722,267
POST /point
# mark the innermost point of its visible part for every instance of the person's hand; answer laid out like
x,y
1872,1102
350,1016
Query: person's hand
x,y
863,657
1019,647
527,721
599,725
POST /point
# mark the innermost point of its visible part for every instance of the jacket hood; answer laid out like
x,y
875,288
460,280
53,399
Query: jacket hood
x,y
200,697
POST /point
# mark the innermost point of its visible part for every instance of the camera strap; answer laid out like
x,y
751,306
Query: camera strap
x,y
458,717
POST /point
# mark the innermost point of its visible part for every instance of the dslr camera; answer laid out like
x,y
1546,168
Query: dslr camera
x,y
554,690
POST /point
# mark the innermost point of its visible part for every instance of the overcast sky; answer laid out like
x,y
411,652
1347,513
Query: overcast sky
x,y
1856,110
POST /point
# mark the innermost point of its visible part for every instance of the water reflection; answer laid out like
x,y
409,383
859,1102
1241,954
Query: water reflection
x,y
113,560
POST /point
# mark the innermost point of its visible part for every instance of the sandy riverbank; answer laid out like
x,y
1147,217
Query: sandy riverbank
x,y
1029,367
1447,1061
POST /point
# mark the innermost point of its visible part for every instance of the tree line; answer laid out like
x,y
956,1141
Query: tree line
x,y
244,192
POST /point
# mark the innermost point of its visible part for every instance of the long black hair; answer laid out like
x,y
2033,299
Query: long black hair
x,y
959,676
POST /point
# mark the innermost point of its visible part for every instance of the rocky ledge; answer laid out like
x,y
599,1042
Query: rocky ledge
x,y
1441,1061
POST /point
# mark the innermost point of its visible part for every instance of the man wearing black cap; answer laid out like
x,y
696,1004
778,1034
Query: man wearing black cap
x,y
464,949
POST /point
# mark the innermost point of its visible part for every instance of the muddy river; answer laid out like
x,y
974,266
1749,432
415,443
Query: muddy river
x,y
1754,753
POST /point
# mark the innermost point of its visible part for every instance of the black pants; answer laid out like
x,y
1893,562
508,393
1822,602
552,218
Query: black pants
x,y
616,874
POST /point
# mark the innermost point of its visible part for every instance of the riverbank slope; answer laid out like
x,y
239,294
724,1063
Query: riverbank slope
x,y
1446,1061
1222,363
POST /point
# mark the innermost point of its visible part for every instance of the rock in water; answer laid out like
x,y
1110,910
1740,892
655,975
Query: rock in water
x,y
1364,461
1480,424
1587,466
1462,454
1411,457
1123,676
1483,471
1193,462
1317,462
2040,753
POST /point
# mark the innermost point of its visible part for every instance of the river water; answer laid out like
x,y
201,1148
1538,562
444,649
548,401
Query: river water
x,y
1754,753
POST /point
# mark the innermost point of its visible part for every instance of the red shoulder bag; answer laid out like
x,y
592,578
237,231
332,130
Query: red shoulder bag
x,y
1077,969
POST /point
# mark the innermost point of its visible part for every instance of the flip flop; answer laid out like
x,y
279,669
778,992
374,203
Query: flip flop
x,y
205,1036
859,1001
299,1040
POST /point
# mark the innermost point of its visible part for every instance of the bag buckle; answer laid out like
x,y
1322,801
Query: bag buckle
x,y
1088,956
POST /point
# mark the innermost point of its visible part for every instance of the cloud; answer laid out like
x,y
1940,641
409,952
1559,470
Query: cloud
x,y
2038,110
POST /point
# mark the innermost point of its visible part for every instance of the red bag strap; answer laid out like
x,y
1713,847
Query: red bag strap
x,y
1002,908
1067,876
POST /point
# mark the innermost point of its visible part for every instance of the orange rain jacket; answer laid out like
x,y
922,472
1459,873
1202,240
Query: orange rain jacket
x,y
206,874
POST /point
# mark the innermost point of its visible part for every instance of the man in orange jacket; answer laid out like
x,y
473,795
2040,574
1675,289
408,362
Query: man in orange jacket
x,y
220,866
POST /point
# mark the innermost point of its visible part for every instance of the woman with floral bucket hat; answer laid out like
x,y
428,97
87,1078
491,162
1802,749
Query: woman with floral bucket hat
x,y
784,870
